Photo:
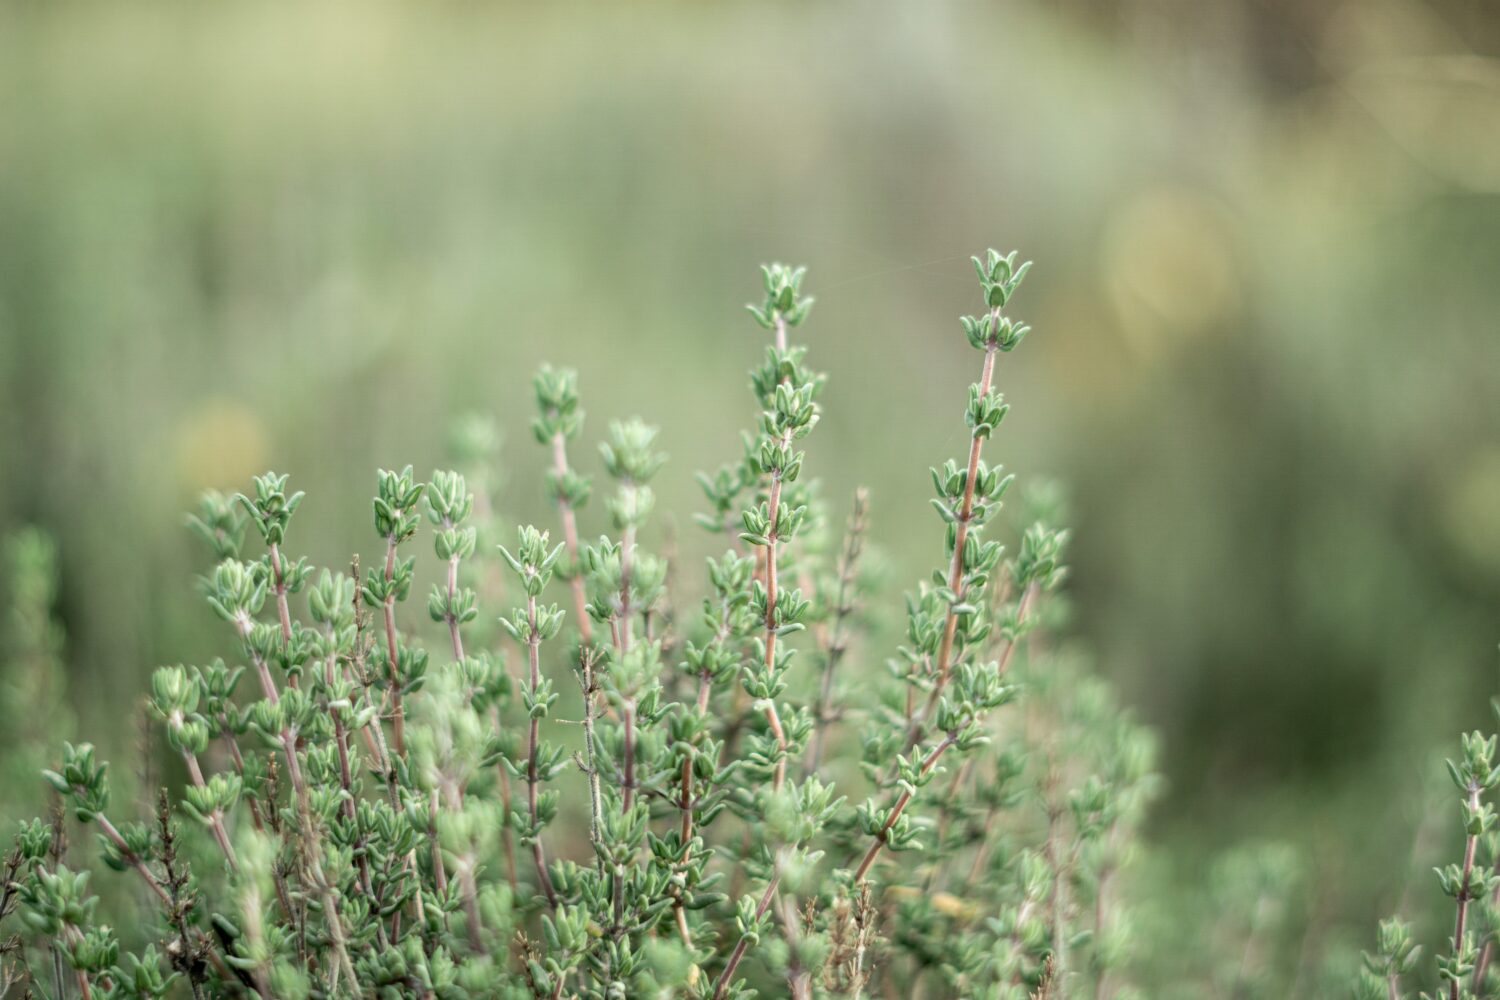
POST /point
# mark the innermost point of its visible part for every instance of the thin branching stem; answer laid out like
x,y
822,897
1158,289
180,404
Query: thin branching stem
x,y
928,763
569,518
838,639
393,653
726,978
965,514
1471,844
533,752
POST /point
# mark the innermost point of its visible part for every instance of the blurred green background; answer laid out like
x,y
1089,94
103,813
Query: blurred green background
x,y
234,237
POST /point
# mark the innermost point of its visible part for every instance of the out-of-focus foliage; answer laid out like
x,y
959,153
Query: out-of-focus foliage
x,y
33,709
1267,230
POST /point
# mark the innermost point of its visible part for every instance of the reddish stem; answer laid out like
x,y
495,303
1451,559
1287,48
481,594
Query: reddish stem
x,y
961,535
735,957
130,856
1463,893
928,763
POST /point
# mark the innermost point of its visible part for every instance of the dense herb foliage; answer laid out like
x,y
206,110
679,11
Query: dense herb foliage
x,y
574,779
1465,966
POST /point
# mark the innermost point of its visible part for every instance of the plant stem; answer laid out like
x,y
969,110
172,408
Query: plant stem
x,y
1482,965
453,633
570,539
346,777
838,640
283,612
1101,917
685,803
591,761
1471,843
262,668
534,661
1486,953
773,717
965,512
398,714
114,837
507,840
797,976
956,569
627,777
216,818
928,763
726,978
314,852
239,767
627,553
1058,902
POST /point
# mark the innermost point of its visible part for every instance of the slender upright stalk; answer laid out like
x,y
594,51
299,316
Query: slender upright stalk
x,y
177,881
283,612
533,749
507,841
1481,966
454,636
773,717
312,846
569,518
238,759
1058,902
627,555
388,608
591,760
798,978
964,515
627,778
262,668
838,639
686,800
726,978
215,818
331,673
1471,844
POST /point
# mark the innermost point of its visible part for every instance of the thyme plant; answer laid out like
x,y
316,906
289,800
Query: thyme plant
x,y
624,790
1463,968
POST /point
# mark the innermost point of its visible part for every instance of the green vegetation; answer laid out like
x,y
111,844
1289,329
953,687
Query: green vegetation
x,y
773,804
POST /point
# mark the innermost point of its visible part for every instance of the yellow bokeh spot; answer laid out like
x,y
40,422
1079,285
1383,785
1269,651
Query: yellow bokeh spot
x,y
1169,267
1470,509
220,445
